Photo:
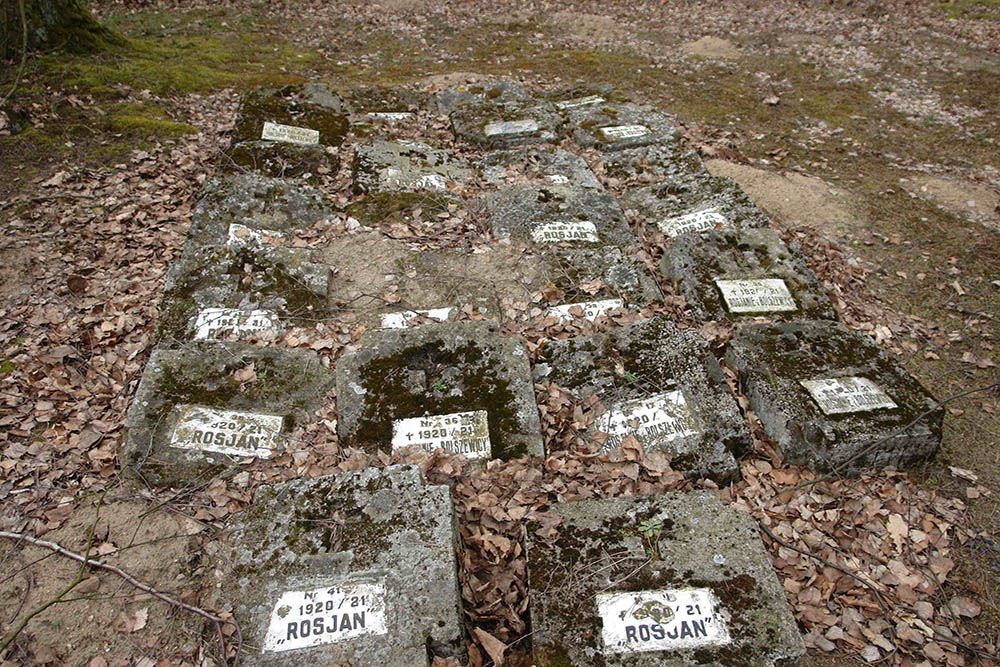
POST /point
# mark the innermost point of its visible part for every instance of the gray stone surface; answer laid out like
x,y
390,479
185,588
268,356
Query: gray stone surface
x,y
624,276
656,543
587,126
772,359
648,359
518,210
377,526
290,383
439,369
406,166
280,159
696,261
540,166
683,193
494,126
362,101
499,93
652,164
313,106
571,94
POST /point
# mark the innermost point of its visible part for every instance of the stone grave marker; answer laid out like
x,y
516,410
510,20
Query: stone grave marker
x,y
587,95
500,93
613,127
389,106
501,127
538,166
432,383
357,568
597,280
676,579
832,398
658,383
651,164
406,166
558,214
729,275
192,418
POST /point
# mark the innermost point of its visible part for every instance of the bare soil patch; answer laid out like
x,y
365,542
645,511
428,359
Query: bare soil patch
x,y
711,47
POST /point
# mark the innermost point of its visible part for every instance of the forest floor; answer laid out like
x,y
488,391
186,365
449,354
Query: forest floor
x,y
868,131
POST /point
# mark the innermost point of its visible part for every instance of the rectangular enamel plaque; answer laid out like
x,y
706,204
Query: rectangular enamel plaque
x,y
591,309
670,620
465,433
403,318
556,179
241,236
510,127
226,431
289,134
698,221
660,418
624,131
847,394
579,102
212,323
327,615
390,116
764,295
554,232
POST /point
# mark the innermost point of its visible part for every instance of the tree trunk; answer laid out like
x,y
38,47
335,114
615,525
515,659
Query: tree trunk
x,y
53,24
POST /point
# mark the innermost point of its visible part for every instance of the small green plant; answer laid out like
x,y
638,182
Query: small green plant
x,y
439,385
649,531
631,377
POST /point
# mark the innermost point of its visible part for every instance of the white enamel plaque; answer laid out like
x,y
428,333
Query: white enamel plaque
x,y
624,131
327,615
554,232
591,309
556,179
764,295
660,418
214,322
579,102
465,433
847,394
698,221
241,236
289,134
403,318
226,431
390,116
510,127
682,618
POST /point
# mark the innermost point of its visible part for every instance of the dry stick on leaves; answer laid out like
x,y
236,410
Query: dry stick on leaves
x,y
88,562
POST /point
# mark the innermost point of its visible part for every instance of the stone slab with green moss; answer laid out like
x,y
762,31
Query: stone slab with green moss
x,y
162,448
311,106
406,166
497,93
536,165
591,274
493,126
662,376
636,167
357,568
580,216
736,275
364,101
613,127
280,159
434,370
794,372
677,580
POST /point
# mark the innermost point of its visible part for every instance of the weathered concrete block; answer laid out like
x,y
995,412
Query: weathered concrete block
x,y
626,280
280,159
309,107
663,377
686,202
380,100
802,380
582,96
653,164
357,568
192,417
557,214
735,275
613,127
406,166
677,579
500,127
444,374
538,166
500,93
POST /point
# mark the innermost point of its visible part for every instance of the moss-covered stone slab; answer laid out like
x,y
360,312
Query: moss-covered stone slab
x,y
380,100
652,164
438,370
280,160
406,166
499,93
662,376
677,580
311,106
825,395
195,414
357,568
599,274
556,215
502,127
584,95
613,127
733,275
687,202
539,166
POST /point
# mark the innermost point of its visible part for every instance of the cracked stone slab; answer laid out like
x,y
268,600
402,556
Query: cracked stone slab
x,y
689,203
502,127
357,568
438,370
309,107
675,579
733,275
192,419
500,93
824,395
406,166
280,159
613,127
539,166
557,214
662,376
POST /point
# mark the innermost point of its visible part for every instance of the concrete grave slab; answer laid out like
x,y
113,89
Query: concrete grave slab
x,y
677,579
379,104
688,202
652,164
539,166
624,277
668,379
501,127
433,372
500,93
578,97
406,166
613,127
280,159
191,418
832,398
732,275
308,107
558,214
357,568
